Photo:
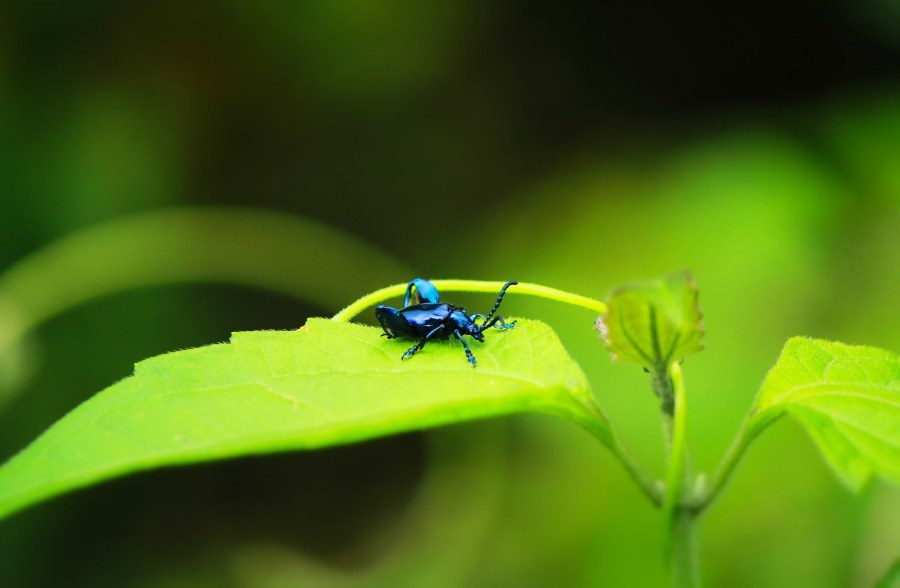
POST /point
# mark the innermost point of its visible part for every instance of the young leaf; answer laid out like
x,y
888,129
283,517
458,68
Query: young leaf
x,y
328,383
848,399
653,323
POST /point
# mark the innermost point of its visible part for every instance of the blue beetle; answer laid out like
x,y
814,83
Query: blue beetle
x,y
427,319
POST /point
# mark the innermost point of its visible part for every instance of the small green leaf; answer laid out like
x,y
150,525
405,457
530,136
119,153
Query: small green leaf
x,y
848,399
328,383
653,323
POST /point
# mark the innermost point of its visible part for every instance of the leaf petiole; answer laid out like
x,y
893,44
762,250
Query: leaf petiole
x,y
749,431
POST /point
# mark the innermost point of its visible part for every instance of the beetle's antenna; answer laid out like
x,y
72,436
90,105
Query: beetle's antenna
x,y
497,304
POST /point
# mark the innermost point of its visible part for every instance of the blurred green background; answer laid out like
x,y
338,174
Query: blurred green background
x,y
579,145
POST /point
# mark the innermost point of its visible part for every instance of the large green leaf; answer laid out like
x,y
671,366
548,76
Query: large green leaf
x,y
653,323
328,383
848,399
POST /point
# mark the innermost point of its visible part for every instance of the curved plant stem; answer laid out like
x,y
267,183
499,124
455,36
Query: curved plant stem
x,y
471,286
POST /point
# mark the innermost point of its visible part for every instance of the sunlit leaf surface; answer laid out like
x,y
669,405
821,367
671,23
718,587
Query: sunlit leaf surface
x,y
327,384
848,399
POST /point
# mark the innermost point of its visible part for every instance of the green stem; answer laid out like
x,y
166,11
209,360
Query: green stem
x,y
683,564
647,486
663,387
751,428
676,470
471,286
590,419
680,544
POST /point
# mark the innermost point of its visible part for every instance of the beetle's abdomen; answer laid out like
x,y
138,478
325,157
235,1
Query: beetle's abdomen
x,y
392,321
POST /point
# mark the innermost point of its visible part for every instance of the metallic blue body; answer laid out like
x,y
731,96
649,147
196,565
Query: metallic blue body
x,y
428,319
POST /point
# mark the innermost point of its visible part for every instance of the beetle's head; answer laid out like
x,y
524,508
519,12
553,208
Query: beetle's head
x,y
475,331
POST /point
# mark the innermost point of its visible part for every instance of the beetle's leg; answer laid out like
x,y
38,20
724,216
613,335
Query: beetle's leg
x,y
418,346
469,355
413,350
424,292
504,326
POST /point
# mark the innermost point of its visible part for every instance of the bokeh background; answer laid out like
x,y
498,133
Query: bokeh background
x,y
171,172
